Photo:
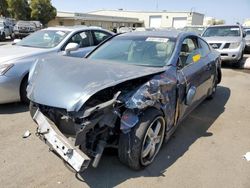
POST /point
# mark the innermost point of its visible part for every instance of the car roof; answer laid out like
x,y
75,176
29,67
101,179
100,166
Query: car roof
x,y
164,33
75,28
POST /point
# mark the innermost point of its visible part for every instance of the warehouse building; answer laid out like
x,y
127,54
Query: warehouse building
x,y
107,22
157,19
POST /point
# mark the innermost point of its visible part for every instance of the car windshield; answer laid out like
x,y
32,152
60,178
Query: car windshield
x,y
44,39
223,31
144,51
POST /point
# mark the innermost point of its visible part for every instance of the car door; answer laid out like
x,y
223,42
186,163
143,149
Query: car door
x,y
85,42
190,72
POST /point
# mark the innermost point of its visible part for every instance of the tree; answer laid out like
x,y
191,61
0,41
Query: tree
x,y
19,9
3,8
42,10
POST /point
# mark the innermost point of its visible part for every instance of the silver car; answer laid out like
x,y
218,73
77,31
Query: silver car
x,y
228,40
247,38
16,60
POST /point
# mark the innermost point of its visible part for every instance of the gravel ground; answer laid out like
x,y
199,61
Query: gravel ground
x,y
206,150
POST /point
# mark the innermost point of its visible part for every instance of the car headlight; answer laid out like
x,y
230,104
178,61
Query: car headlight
x,y
4,68
234,45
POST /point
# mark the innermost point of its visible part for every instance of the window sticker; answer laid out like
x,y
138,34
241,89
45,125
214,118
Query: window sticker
x,y
61,33
154,39
196,58
83,35
234,29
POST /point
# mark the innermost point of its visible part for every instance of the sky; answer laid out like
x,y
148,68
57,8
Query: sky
x,y
231,11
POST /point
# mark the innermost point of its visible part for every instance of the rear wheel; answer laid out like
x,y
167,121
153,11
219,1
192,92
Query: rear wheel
x,y
215,83
139,147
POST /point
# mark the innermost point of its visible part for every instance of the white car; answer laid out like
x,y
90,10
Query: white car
x,y
228,40
16,60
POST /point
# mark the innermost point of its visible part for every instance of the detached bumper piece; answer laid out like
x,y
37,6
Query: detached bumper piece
x,y
52,136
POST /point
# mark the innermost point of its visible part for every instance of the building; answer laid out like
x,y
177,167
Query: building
x,y
213,21
107,22
247,23
157,19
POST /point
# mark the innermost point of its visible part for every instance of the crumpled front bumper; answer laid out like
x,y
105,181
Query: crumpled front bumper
x,y
52,136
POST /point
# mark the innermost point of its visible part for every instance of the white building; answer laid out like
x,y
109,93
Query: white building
x,y
213,21
107,22
157,19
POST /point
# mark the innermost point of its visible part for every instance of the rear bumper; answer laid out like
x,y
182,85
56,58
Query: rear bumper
x,y
52,136
9,89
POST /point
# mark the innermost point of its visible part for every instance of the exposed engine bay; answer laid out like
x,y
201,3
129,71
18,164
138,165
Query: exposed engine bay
x,y
110,112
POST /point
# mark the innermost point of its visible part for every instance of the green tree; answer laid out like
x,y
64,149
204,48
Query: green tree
x,y
19,9
42,10
4,8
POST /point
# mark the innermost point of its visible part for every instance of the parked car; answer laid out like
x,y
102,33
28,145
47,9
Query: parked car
x,y
130,93
199,29
5,30
228,40
38,25
125,29
23,29
16,60
247,38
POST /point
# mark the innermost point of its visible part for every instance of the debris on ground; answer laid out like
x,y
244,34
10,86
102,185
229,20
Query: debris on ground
x,y
247,156
26,134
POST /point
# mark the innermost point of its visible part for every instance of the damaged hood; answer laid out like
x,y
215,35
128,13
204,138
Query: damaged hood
x,y
67,83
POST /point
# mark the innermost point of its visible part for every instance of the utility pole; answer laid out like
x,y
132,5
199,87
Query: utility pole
x,y
157,5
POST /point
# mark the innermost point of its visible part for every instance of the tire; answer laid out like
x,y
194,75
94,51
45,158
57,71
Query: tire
x,y
23,92
135,144
238,63
3,37
216,81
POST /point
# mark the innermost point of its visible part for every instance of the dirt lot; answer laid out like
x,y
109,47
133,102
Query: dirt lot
x,y
206,150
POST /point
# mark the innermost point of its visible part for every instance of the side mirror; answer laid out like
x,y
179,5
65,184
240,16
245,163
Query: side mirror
x,y
190,95
244,34
71,47
16,41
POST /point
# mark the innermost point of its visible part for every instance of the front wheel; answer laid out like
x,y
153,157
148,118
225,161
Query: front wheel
x,y
139,147
238,63
23,92
3,37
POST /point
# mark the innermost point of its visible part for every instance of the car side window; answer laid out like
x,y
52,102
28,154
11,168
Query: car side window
x,y
100,36
82,38
204,48
189,52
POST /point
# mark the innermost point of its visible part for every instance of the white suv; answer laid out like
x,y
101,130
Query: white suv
x,y
228,40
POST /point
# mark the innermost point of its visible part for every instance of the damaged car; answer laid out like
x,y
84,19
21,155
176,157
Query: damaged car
x,y
130,93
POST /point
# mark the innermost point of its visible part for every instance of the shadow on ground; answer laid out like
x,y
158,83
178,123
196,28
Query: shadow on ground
x,y
111,172
13,108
